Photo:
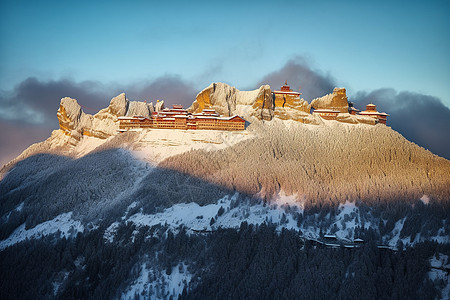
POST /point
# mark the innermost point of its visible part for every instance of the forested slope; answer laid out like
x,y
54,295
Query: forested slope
x,y
323,165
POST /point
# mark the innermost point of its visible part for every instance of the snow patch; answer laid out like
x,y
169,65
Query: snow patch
x,y
199,218
155,145
425,199
290,200
111,231
63,223
18,208
438,272
87,144
396,234
154,284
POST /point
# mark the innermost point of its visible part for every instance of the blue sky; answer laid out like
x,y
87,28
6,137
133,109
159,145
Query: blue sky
x,y
364,45
397,51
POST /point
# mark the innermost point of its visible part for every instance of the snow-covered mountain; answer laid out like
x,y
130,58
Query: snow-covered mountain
x,y
149,188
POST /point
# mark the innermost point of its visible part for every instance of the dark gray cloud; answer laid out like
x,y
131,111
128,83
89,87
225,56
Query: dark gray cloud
x,y
28,112
36,102
297,72
422,119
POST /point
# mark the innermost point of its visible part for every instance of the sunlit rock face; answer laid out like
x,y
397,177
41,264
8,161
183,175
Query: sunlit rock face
x,y
228,100
260,103
117,107
263,105
334,101
105,123
291,101
158,106
75,123
69,114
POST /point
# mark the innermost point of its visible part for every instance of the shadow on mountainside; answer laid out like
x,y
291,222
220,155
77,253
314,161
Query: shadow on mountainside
x,y
98,186
372,166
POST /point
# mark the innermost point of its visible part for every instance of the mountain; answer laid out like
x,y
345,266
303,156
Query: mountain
x,y
160,213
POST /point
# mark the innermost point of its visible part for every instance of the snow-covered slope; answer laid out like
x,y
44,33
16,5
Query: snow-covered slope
x,y
330,163
64,224
440,265
151,146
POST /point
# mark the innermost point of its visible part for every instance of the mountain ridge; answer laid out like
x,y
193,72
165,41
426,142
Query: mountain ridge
x,y
76,126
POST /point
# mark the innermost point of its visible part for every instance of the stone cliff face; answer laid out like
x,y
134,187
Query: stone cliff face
x,y
259,103
74,123
228,101
264,105
69,114
335,101
292,101
220,96
287,113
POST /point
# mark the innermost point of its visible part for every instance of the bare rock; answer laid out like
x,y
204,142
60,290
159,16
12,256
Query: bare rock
x,y
136,108
228,101
334,101
159,106
69,114
118,105
219,96
263,104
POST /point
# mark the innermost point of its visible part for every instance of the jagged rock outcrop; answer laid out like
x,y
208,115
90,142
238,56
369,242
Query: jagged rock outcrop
x,y
69,114
75,123
159,106
335,101
259,103
224,99
263,105
298,105
138,109
228,101
118,106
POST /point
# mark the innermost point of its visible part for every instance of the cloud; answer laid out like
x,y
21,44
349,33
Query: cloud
x,y
422,119
28,112
297,72
35,102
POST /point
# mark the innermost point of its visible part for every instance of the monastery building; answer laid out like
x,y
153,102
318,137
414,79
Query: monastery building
x,y
179,118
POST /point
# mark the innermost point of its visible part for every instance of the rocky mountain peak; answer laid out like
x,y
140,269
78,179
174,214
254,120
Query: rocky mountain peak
x,y
69,114
118,105
75,123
